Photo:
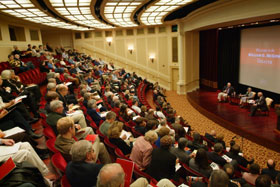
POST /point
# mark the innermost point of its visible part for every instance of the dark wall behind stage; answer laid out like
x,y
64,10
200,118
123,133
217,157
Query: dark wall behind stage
x,y
220,60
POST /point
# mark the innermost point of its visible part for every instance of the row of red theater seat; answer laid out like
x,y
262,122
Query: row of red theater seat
x,y
30,76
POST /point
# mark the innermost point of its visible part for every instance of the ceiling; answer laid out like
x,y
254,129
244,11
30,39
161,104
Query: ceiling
x,y
100,14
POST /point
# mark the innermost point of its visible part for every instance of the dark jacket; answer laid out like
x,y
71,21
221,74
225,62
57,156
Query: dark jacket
x,y
52,119
94,116
162,164
271,172
216,158
82,173
240,160
121,145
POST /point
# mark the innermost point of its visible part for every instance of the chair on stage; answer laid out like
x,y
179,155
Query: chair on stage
x,y
268,103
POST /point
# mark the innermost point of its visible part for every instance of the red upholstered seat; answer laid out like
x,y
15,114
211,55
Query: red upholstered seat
x,y
65,182
48,132
59,162
50,145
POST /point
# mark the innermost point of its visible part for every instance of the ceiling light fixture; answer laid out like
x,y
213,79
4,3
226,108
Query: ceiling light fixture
x,y
154,14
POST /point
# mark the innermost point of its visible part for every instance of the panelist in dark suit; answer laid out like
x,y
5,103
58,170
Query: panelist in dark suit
x,y
163,162
228,90
259,104
82,171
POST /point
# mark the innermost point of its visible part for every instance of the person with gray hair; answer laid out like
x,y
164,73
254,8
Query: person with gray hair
x,y
91,110
215,155
56,113
51,86
180,152
219,178
82,170
112,175
142,149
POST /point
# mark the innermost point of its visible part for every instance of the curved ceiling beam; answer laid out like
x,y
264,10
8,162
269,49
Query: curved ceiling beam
x,y
26,10
78,11
184,11
120,12
155,13
139,10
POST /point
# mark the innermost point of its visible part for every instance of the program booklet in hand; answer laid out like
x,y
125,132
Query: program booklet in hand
x,y
13,131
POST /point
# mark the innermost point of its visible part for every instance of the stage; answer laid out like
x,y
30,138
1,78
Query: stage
x,y
259,129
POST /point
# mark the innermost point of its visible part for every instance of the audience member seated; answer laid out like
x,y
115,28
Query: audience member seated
x,y
234,154
260,103
91,110
125,113
277,181
16,87
195,144
13,118
247,97
163,123
180,152
254,172
56,113
114,133
227,91
159,114
24,153
135,106
82,170
50,96
140,125
113,175
200,163
163,162
220,139
270,170
110,118
263,181
143,112
215,156
142,149
150,115
211,136
151,125
234,181
161,133
17,64
65,140
176,125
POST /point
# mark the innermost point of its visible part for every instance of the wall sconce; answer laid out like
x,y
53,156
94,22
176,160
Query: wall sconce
x,y
109,40
152,58
130,49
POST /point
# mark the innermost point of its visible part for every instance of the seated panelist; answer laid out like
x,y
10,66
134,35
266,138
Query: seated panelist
x,y
228,90
259,104
247,97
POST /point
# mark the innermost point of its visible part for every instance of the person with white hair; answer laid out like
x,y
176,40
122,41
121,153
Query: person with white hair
x,y
82,170
142,149
13,86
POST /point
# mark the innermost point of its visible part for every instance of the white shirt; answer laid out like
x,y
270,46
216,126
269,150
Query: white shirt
x,y
136,108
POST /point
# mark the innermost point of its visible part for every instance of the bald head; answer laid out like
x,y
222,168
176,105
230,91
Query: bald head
x,y
111,175
213,133
271,164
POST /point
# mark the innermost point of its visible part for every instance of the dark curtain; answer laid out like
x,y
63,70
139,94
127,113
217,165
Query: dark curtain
x,y
228,57
208,58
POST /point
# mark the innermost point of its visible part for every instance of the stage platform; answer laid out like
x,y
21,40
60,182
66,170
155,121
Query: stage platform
x,y
259,129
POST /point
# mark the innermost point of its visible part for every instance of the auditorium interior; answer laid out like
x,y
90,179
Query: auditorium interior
x,y
178,54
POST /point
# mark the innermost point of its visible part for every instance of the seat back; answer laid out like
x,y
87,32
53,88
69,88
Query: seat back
x,y
59,162
268,102
48,132
50,145
64,182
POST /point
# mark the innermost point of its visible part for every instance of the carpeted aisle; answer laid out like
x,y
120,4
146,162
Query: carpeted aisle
x,y
202,124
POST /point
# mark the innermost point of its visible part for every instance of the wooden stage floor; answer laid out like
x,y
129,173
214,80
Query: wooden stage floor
x,y
258,129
